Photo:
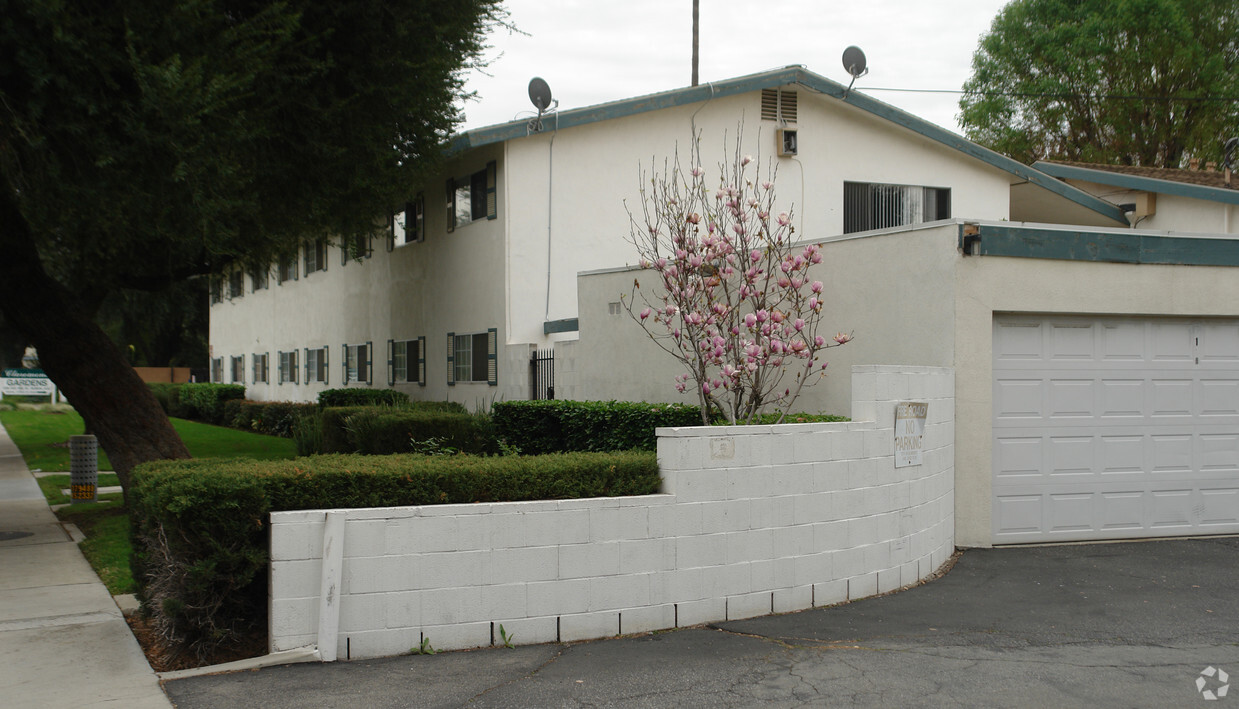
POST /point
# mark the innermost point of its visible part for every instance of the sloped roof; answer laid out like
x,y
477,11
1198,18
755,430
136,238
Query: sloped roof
x,y
814,82
1208,185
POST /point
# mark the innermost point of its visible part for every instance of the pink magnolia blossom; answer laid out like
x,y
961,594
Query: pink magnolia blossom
x,y
762,316
816,287
798,324
746,160
783,219
819,341
645,313
767,186
693,218
842,338
777,316
698,172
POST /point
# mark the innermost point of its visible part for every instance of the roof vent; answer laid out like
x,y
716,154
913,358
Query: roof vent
x,y
778,105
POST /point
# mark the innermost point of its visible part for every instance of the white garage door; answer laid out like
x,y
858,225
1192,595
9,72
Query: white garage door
x,y
1114,428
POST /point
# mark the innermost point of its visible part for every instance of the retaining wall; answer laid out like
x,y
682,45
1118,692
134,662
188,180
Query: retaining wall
x,y
752,520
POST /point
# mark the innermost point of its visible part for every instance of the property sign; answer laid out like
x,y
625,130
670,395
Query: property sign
x,y
909,432
26,382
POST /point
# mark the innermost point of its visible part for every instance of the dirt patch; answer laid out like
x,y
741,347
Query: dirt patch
x,y
164,658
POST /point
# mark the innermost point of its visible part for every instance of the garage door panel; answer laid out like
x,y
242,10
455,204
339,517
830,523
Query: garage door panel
x,y
1115,428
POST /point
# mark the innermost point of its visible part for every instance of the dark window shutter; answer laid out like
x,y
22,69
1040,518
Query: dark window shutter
x,y
451,359
391,230
492,357
492,205
451,206
344,363
307,365
421,360
309,251
326,369
391,370
369,363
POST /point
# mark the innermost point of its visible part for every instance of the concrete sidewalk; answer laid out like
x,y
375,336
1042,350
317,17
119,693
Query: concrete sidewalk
x,y
63,641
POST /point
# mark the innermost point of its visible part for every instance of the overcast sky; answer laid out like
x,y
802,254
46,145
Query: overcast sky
x,y
593,51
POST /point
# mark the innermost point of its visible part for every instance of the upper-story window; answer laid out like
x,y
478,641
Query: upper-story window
x,y
315,256
472,198
286,269
236,283
875,206
258,278
408,225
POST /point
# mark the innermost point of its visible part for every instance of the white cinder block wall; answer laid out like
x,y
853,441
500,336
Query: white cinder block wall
x,y
752,520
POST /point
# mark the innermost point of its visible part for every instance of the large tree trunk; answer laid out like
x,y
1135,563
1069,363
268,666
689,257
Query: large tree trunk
x,y
78,356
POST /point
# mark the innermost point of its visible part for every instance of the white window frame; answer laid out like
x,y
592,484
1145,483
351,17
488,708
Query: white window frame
x,y
464,360
408,226
358,362
260,366
406,361
236,367
481,188
315,256
288,367
316,365
217,370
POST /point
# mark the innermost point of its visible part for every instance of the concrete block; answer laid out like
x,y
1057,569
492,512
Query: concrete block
x,y
864,531
365,537
864,387
459,636
648,619
364,612
616,592
293,541
793,479
296,579
761,514
888,580
793,541
832,535
527,631
404,609
613,524
450,606
866,472
502,531
706,610
702,550
446,570
730,580
290,642
877,556
879,443
421,534
909,573
376,574
706,484
830,475
551,598
749,545
376,643
556,527
678,586
849,563
784,509
862,586
293,616
586,560
848,445
798,598
519,565
864,411
811,446
750,605
782,450
768,574
504,601
685,520
813,568
814,507
588,626
829,593
646,555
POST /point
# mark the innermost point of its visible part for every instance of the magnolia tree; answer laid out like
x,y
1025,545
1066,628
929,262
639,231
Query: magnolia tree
x,y
734,299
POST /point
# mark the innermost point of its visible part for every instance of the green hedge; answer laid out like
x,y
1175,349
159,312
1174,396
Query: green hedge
x,y
272,418
169,398
199,527
205,401
361,397
379,430
554,426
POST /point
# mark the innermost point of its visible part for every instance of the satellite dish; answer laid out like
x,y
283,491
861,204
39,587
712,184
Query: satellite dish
x,y
853,61
539,93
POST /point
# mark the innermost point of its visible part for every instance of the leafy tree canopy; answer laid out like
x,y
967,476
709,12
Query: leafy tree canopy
x,y
144,142
1133,82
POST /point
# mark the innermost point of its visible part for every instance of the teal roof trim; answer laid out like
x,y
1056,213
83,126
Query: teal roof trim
x,y
1110,247
1138,182
784,77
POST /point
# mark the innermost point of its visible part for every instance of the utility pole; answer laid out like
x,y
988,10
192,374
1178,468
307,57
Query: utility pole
x,y
696,23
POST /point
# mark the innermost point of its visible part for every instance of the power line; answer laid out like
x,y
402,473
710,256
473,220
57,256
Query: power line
x,y
1020,94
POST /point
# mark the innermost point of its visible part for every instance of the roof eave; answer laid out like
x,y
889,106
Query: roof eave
x,y
1141,183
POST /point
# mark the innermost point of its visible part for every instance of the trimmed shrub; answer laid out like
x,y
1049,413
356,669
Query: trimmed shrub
x,y
200,526
382,430
272,418
361,397
554,426
205,401
169,398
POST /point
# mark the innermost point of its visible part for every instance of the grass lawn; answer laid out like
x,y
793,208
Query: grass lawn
x,y
42,437
42,434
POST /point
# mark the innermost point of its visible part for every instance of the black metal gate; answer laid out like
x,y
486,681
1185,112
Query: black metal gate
x,y
542,374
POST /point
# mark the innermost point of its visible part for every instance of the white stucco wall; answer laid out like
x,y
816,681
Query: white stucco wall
x,y
751,521
1172,212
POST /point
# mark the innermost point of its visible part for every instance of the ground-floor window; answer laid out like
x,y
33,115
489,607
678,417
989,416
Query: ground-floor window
x,y
238,369
316,365
260,367
288,367
357,363
407,361
472,357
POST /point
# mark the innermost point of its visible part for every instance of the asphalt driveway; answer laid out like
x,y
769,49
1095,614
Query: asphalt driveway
x,y
1123,625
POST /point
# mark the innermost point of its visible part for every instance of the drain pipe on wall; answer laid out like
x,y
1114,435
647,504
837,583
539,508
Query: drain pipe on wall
x,y
550,193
